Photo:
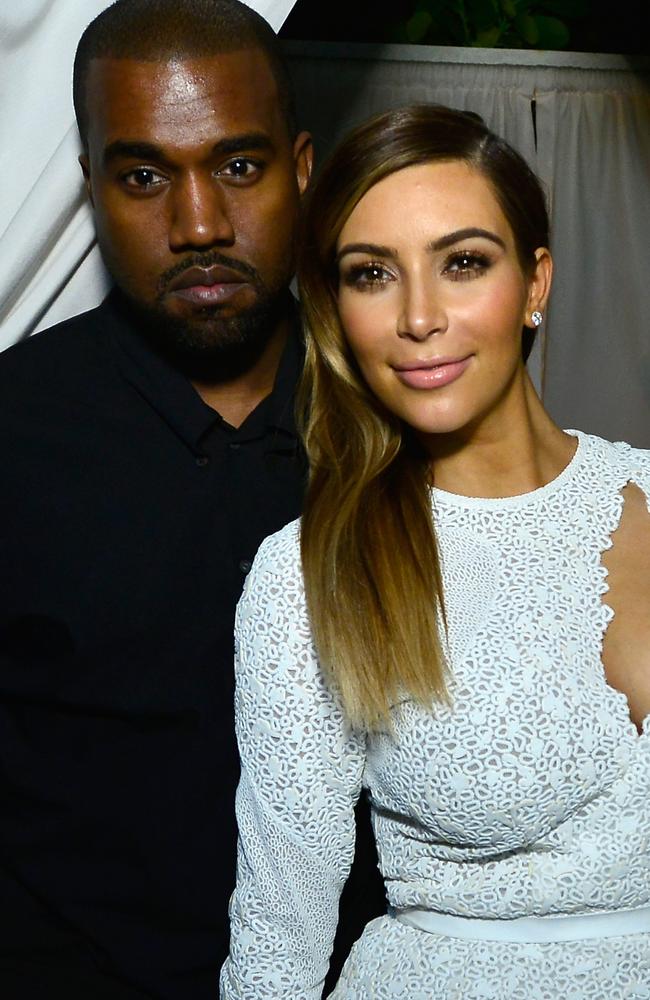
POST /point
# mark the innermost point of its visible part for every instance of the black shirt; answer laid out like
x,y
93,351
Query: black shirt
x,y
130,513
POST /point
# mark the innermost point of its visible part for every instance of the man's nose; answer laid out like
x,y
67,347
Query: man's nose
x,y
423,310
199,215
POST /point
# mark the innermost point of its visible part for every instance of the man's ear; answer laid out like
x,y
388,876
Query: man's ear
x,y
303,156
540,284
84,163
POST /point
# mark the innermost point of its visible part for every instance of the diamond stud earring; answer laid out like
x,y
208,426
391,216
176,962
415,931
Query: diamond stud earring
x,y
536,318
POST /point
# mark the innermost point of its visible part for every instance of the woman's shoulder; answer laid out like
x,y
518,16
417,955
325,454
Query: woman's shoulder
x,y
618,454
611,465
274,586
277,564
281,549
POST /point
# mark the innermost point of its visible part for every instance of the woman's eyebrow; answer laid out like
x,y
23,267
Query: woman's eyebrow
x,y
378,250
464,234
372,248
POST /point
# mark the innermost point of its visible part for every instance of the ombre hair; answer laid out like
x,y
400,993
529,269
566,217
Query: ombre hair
x,y
369,553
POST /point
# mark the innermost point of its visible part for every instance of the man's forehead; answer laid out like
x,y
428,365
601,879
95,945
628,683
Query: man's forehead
x,y
198,97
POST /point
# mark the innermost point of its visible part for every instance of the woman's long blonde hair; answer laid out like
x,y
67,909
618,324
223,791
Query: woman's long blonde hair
x,y
369,554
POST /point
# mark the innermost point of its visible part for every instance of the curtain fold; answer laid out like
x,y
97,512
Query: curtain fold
x,y
594,151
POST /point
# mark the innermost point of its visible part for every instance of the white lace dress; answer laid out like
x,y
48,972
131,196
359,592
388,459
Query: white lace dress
x,y
529,796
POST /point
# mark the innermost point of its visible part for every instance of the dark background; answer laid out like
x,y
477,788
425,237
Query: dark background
x,y
575,25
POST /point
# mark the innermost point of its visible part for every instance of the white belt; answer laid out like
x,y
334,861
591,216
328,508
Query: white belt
x,y
615,923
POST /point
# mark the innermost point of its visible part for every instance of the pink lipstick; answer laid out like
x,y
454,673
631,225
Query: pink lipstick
x,y
431,374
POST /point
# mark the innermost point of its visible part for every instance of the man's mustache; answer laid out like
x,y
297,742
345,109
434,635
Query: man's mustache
x,y
208,259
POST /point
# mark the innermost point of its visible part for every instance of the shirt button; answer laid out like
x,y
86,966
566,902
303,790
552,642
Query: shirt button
x,y
245,565
202,460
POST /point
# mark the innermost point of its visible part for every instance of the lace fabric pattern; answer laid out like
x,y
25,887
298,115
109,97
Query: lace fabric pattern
x,y
528,795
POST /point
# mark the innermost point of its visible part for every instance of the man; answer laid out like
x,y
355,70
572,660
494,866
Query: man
x,y
147,448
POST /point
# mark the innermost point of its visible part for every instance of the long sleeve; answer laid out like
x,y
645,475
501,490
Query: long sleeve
x,y
301,776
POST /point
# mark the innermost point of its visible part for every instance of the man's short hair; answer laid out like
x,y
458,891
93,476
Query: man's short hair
x,y
163,30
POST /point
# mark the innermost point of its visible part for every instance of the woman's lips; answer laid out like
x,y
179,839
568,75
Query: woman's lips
x,y
431,375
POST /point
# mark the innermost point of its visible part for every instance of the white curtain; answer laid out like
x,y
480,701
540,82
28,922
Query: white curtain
x,y
49,264
583,123
594,149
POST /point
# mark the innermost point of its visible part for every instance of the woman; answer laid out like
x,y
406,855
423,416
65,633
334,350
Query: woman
x,y
436,630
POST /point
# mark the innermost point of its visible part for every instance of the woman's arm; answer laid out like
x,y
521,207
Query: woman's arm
x,y
301,776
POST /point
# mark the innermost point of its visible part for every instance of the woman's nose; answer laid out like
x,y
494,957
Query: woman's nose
x,y
423,310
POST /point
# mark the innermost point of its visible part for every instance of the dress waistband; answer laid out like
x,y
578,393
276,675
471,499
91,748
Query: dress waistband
x,y
614,923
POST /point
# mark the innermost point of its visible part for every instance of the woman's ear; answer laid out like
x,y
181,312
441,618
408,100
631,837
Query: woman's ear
x,y
540,286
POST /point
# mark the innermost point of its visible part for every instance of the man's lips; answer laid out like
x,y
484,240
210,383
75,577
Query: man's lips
x,y
207,285
433,373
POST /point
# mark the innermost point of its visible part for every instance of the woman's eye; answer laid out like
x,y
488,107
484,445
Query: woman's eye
x,y
143,178
367,276
466,264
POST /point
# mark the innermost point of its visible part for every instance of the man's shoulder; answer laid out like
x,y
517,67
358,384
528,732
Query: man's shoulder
x,y
62,359
71,335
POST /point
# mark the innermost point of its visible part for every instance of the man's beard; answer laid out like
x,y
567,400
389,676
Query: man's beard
x,y
207,346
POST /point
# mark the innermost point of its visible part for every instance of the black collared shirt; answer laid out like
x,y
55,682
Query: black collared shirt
x,y
129,515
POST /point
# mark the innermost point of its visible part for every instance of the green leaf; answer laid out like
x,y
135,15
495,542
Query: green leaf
x,y
489,38
527,28
508,8
552,33
418,25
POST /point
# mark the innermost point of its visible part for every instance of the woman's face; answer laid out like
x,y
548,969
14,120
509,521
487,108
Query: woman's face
x,y
432,297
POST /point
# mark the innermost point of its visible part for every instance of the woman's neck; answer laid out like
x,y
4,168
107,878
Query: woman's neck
x,y
508,453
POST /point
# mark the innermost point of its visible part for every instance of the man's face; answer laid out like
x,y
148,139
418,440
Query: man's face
x,y
195,183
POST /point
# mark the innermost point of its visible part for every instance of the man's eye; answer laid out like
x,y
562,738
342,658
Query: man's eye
x,y
367,276
142,179
466,264
240,168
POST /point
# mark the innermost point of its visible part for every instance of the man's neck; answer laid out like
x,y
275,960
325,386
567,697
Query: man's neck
x,y
236,399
